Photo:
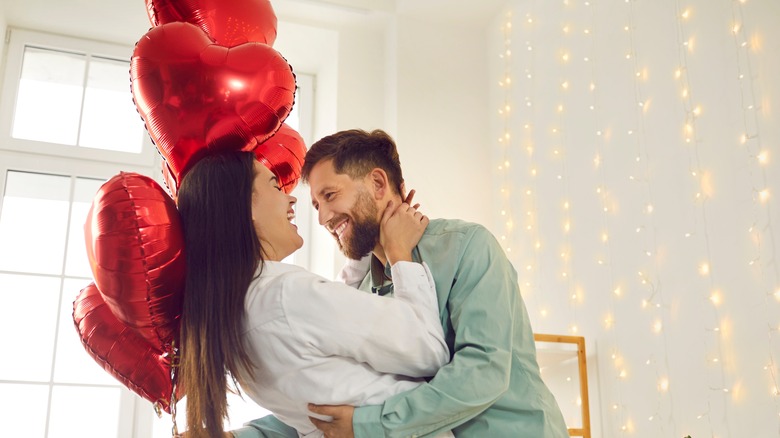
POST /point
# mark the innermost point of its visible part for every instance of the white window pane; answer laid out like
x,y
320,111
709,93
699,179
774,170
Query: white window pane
x,y
240,411
27,321
86,412
50,92
76,261
72,362
110,120
23,410
33,223
162,426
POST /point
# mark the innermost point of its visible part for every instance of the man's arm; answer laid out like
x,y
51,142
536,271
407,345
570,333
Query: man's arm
x,y
482,304
266,427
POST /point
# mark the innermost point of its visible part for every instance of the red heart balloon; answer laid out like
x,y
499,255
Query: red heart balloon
x,y
135,247
283,154
228,22
196,96
121,351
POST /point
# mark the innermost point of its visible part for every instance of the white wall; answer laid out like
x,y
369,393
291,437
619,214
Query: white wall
x,y
418,80
643,223
441,116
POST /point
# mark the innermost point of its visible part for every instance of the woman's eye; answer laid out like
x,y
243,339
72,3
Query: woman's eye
x,y
278,188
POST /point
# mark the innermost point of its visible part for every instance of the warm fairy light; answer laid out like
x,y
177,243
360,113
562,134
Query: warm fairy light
x,y
704,269
763,195
736,28
623,373
716,297
574,329
686,14
697,111
618,291
543,312
777,294
763,157
565,57
690,44
663,384
604,237
608,322
649,208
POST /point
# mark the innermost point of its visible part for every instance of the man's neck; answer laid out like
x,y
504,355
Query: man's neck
x,y
379,253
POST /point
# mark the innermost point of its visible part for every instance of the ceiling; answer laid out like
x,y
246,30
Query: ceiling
x,y
125,21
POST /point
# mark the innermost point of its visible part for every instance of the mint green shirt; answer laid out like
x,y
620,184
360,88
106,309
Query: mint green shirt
x,y
492,387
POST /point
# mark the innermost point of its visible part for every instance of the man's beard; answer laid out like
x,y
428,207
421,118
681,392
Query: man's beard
x,y
364,233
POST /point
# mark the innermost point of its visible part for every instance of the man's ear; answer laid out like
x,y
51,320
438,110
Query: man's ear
x,y
379,182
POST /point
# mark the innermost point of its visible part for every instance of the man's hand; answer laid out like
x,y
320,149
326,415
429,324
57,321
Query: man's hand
x,y
340,426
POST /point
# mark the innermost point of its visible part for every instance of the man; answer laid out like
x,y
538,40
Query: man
x,y
492,387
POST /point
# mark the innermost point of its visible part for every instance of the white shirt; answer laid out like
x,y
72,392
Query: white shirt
x,y
318,341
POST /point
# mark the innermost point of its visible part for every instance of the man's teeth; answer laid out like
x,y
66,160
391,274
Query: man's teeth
x,y
290,216
340,229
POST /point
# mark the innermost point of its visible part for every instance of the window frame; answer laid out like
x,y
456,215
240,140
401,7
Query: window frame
x,y
136,416
18,40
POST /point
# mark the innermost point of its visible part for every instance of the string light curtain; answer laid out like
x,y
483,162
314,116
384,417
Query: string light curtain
x,y
636,195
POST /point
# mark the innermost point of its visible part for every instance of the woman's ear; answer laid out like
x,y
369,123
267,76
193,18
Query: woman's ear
x,y
379,182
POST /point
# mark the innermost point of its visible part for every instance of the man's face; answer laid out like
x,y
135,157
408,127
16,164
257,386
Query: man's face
x,y
346,208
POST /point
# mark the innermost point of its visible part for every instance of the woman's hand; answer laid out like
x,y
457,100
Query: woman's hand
x,y
400,229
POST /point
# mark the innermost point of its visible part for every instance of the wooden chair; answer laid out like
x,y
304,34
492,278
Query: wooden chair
x,y
578,342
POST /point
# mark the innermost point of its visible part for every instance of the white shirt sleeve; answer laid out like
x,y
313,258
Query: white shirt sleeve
x,y
354,271
400,335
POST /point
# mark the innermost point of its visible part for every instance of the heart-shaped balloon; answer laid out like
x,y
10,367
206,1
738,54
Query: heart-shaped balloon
x,y
121,351
135,245
283,154
196,96
228,22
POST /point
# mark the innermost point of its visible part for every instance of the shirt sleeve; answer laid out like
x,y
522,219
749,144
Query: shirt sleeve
x,y
482,302
266,427
354,271
397,335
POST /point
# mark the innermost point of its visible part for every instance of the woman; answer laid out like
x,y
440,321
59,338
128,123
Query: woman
x,y
288,336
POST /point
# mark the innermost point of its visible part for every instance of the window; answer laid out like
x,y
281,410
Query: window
x,y
69,97
67,124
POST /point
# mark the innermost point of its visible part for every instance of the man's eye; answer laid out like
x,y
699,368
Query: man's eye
x,y
329,196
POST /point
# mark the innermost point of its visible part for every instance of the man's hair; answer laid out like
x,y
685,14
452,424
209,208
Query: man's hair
x,y
356,152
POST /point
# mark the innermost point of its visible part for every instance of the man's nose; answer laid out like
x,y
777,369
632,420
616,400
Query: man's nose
x,y
324,215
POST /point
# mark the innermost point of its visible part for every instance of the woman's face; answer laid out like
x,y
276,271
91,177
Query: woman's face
x,y
272,213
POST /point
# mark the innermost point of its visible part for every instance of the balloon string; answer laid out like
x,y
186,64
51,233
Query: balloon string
x,y
174,375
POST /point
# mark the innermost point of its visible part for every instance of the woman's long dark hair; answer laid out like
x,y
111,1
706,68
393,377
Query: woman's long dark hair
x,y
222,253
